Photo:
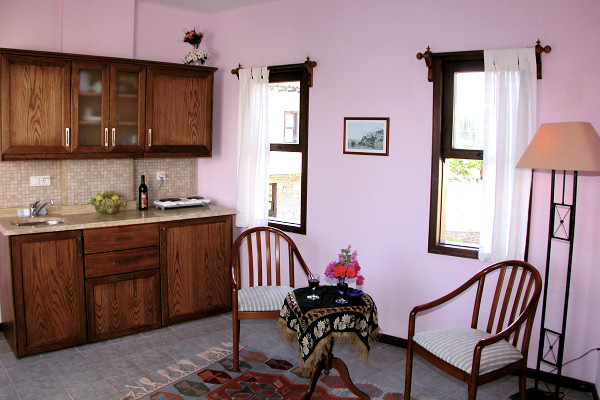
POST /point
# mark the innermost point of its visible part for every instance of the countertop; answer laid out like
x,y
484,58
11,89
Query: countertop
x,y
89,220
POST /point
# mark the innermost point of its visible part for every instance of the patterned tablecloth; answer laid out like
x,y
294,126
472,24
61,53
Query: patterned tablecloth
x,y
314,324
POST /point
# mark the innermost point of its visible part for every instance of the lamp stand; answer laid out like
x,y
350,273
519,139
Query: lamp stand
x,y
551,345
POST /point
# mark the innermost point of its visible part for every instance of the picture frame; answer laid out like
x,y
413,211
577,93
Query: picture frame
x,y
366,136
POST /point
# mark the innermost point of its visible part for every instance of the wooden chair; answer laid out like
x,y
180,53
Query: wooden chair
x,y
264,260
478,355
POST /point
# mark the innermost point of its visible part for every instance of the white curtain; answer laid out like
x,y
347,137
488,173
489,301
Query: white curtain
x,y
510,110
253,148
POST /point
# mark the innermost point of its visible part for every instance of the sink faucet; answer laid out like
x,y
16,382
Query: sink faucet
x,y
35,208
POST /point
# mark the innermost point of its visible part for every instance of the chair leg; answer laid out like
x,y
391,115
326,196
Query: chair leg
x,y
523,382
236,343
472,391
408,374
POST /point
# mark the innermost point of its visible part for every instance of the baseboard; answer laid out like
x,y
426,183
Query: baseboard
x,y
565,381
393,340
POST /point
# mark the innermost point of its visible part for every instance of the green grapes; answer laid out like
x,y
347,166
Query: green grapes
x,y
108,202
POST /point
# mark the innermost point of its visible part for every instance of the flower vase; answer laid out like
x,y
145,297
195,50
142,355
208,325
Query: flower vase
x,y
196,56
342,286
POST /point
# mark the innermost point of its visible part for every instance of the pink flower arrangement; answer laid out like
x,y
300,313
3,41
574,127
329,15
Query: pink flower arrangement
x,y
345,267
193,37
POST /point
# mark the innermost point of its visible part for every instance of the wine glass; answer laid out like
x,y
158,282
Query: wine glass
x,y
313,283
342,286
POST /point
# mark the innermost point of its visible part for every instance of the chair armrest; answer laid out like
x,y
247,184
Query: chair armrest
x,y
506,332
438,302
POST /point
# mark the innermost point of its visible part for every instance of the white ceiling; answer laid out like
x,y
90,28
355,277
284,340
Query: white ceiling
x,y
205,6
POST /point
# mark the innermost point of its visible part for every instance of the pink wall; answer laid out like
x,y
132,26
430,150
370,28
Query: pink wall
x,y
367,67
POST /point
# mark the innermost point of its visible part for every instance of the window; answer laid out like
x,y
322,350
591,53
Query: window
x,y
288,165
290,127
272,199
457,156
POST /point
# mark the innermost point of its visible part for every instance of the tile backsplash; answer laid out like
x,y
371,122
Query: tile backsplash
x,y
74,182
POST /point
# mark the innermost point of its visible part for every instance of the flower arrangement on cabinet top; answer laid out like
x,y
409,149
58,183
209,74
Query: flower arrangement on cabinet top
x,y
345,267
197,55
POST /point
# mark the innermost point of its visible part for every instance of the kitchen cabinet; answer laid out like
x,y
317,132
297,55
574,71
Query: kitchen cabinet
x,y
112,276
67,106
122,280
108,107
43,304
35,105
195,270
179,111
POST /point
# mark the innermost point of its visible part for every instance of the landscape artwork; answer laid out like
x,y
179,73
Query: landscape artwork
x,y
366,136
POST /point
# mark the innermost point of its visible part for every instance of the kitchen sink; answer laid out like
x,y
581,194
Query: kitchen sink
x,y
44,222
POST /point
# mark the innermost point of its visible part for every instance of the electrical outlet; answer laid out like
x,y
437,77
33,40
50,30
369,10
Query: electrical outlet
x,y
39,181
161,176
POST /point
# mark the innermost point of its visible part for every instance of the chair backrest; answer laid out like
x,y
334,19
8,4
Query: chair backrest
x,y
266,252
516,291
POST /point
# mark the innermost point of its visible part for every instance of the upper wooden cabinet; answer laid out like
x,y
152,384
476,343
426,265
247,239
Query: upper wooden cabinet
x,y
108,107
179,111
35,105
65,106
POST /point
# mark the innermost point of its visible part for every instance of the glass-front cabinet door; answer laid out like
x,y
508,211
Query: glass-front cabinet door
x,y
108,107
90,111
127,108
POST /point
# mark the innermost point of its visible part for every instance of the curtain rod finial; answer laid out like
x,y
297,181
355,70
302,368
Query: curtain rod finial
x,y
427,57
236,71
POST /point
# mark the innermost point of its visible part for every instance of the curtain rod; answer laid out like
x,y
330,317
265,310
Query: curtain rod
x,y
308,64
427,55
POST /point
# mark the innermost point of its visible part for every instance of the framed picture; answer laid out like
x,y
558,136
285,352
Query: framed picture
x,y
366,136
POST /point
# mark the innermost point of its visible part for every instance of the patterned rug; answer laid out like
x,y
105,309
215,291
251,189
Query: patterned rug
x,y
260,378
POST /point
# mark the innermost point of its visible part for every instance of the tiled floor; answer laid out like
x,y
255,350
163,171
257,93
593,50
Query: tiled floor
x,y
103,370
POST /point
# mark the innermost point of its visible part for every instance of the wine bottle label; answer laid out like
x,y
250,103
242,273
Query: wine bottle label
x,y
143,200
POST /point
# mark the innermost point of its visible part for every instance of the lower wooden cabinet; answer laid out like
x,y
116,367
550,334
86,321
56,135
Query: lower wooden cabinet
x,y
49,302
68,288
122,282
194,263
123,304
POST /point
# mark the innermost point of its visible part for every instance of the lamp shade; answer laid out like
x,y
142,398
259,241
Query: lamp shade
x,y
567,146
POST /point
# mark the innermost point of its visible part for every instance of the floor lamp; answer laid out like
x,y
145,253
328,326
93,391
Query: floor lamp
x,y
564,146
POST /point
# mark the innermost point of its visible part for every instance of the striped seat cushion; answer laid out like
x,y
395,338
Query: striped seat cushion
x,y
456,347
262,298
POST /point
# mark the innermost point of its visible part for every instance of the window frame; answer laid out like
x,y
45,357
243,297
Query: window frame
x,y
443,66
287,73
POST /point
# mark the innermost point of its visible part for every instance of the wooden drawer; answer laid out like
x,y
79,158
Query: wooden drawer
x,y
119,238
122,304
121,262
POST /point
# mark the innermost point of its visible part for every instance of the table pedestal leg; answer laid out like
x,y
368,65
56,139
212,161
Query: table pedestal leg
x,y
327,363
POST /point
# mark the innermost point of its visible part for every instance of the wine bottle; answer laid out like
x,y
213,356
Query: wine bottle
x,y
143,195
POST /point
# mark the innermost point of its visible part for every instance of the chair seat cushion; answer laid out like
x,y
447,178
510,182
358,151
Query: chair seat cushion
x,y
262,298
456,346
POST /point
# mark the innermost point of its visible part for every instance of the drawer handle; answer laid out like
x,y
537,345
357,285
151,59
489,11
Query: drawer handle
x,y
125,278
125,262
119,239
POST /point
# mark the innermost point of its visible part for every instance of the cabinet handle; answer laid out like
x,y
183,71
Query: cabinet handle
x,y
114,134
80,247
67,137
105,137
164,236
119,239
125,262
125,278
149,137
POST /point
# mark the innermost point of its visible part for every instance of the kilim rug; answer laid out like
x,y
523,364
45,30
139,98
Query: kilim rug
x,y
260,378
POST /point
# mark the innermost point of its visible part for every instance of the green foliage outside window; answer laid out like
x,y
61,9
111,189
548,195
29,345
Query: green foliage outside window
x,y
466,168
